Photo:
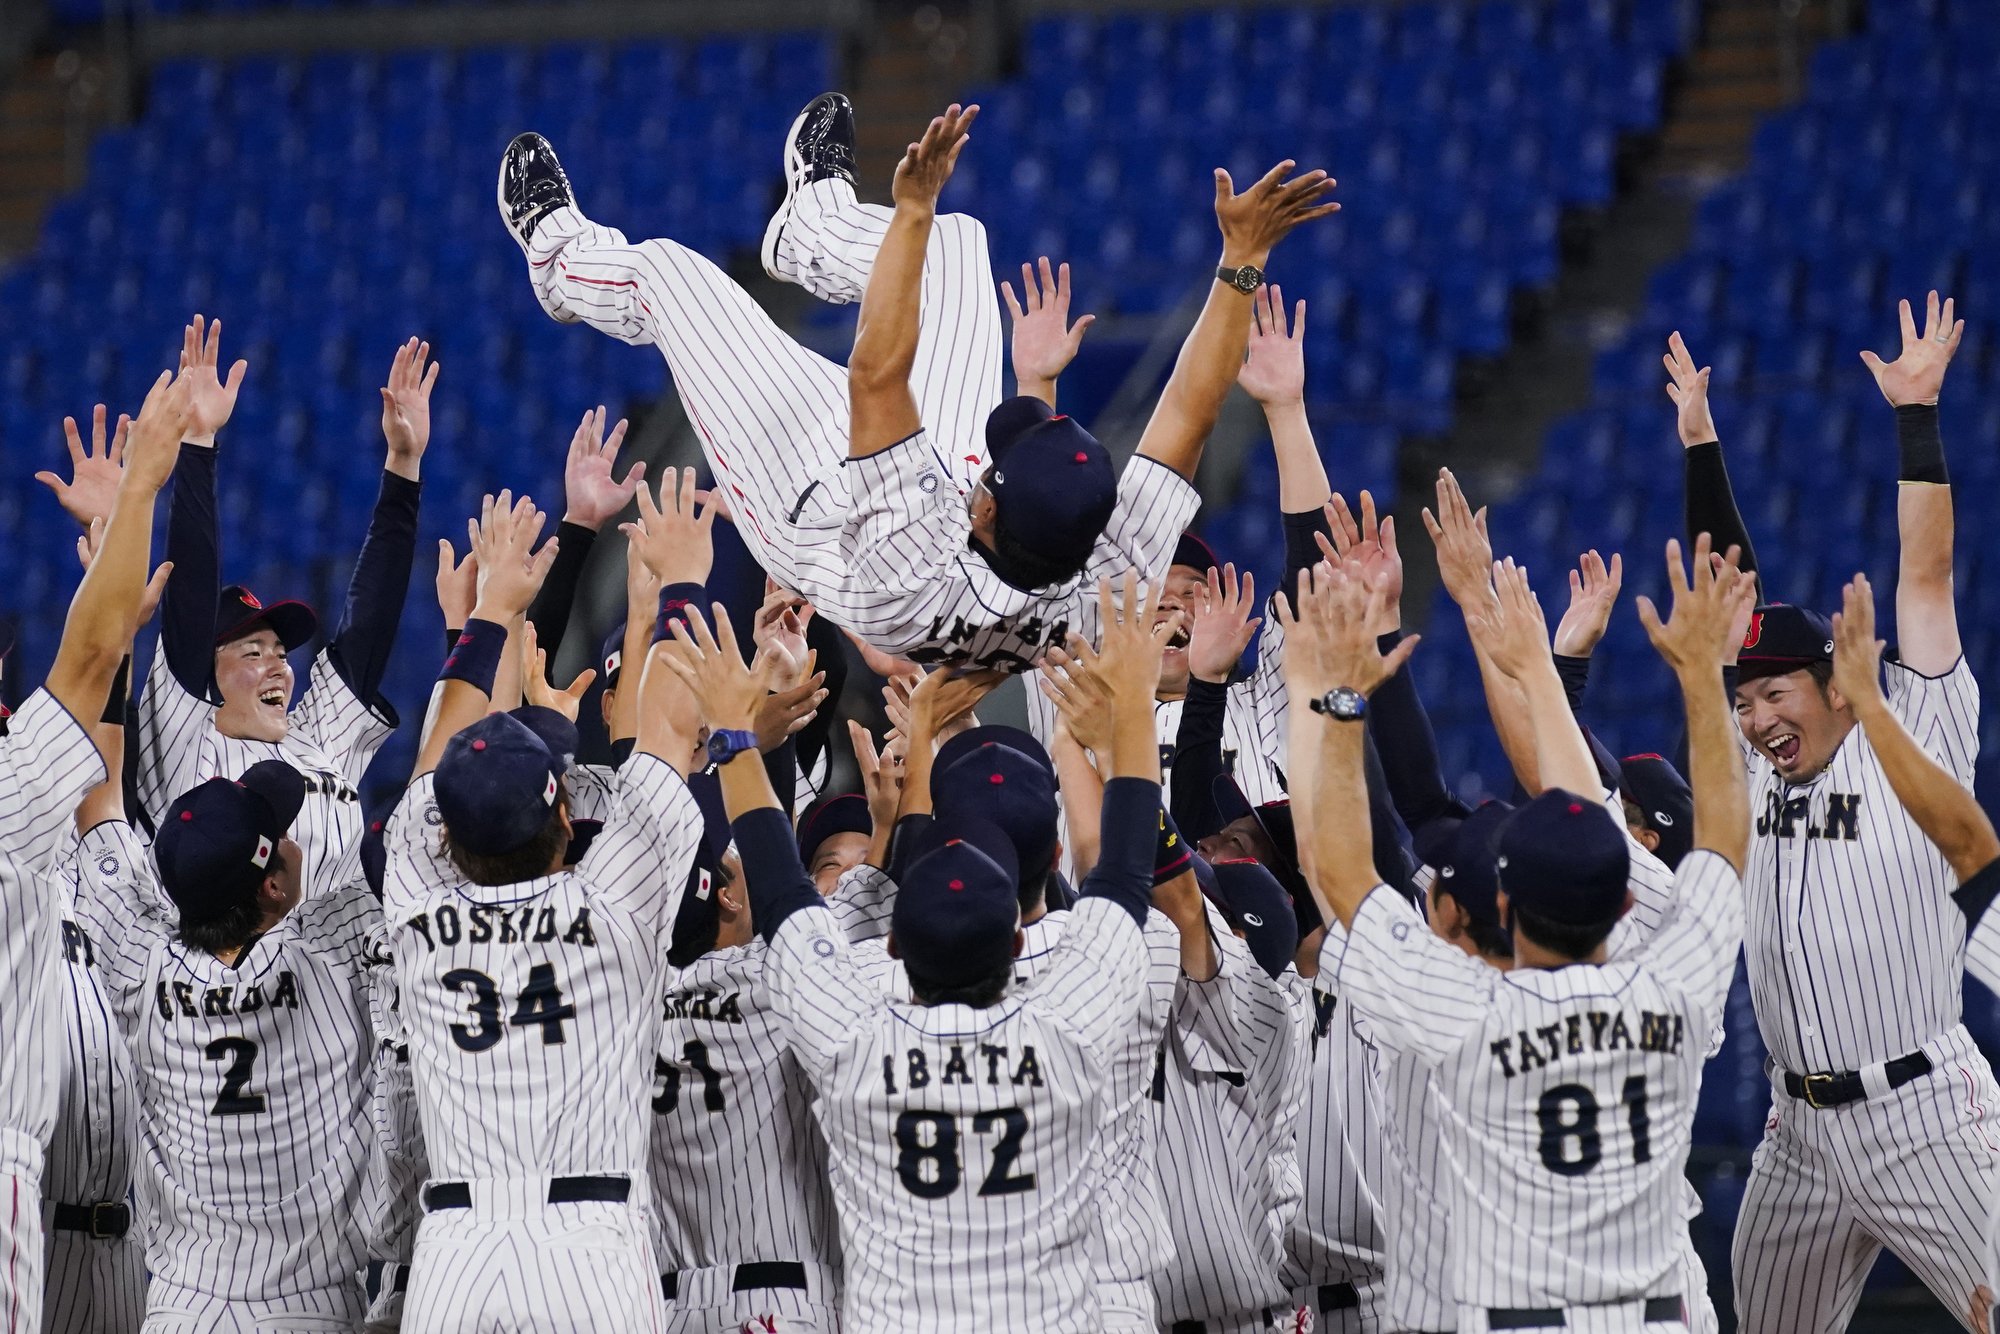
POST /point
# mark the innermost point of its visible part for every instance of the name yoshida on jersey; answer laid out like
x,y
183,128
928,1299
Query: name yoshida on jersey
x,y
1566,1095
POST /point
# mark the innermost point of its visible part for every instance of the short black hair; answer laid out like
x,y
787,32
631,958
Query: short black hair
x,y
1821,671
1488,938
1571,942
233,927
1034,890
527,862
1022,566
978,993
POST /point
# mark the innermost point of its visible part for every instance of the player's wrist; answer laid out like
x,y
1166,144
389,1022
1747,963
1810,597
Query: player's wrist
x,y
203,441
1236,254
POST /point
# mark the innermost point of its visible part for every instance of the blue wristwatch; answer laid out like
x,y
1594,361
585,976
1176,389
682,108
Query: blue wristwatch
x,y
725,744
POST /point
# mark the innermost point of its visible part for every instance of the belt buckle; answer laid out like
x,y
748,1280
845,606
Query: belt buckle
x,y
1813,1083
99,1230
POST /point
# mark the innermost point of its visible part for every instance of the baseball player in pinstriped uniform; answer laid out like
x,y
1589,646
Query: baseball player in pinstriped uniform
x,y
530,991
219,694
911,540
1568,1083
963,1128
50,760
1885,1119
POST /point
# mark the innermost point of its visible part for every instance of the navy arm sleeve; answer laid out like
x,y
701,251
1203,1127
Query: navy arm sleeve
x,y
781,766
1198,759
1407,749
187,612
775,878
375,592
1124,870
1711,506
549,612
1301,552
1975,896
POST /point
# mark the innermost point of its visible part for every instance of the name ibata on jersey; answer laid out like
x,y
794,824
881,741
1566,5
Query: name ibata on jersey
x,y
960,1063
500,924
1587,1031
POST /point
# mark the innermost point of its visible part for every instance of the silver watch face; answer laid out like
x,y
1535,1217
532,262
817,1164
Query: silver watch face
x,y
1344,703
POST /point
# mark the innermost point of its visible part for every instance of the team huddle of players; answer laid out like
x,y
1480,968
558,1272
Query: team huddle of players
x,y
1203,1004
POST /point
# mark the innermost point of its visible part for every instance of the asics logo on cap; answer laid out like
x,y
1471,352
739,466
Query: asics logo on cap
x,y
1253,919
1661,817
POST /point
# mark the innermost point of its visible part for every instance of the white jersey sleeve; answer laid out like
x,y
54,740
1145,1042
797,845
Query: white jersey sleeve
x,y
1942,713
1098,974
1698,943
905,528
1652,886
336,720
821,996
123,908
346,928
174,732
1413,991
862,900
413,850
1155,506
640,862
47,764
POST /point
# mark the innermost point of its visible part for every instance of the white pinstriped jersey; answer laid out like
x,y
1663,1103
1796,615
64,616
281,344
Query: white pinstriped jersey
x,y
47,763
964,1144
739,1168
252,1080
1854,945
533,1009
332,737
1336,1235
90,1154
1230,1085
1567,1095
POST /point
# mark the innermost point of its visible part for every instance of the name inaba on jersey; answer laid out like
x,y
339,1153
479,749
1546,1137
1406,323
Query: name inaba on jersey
x,y
710,1005
501,924
1787,817
959,1063
954,650
1584,1032
179,999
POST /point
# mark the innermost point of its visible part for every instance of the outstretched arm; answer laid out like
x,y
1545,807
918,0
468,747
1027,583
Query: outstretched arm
x,y
1949,815
1517,638
1926,614
1709,500
1252,223
882,410
1045,342
187,622
1274,373
592,497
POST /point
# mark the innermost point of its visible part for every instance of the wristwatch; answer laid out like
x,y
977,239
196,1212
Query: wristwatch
x,y
1343,704
725,744
1246,279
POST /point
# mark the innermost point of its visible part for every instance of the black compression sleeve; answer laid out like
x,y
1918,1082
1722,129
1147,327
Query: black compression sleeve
x,y
187,612
549,612
776,880
1124,870
377,589
1711,505
1400,729
1198,758
1575,674
1920,444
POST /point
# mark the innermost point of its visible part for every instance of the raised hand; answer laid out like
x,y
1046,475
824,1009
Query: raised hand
x,y
87,547
728,690
1706,608
927,164
211,399
1917,373
881,776
787,708
1593,591
1367,548
406,407
1082,699
1688,389
535,680
1274,365
1256,220
1512,628
590,492
1857,653
94,473
1222,625
781,628
153,445
1130,645
1045,342
1332,633
1464,552
511,571
676,543
457,585
947,697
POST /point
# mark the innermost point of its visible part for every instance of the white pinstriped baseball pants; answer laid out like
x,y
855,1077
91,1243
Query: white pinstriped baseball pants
x,y
1916,1169
521,1267
94,1286
773,415
171,1310
21,1248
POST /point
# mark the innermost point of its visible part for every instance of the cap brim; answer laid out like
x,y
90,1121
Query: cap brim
x,y
293,622
281,786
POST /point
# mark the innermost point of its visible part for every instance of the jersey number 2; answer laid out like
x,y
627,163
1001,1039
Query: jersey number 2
x,y
540,1003
927,1164
241,1053
1569,1112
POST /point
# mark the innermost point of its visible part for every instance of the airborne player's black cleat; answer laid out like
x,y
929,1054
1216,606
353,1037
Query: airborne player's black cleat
x,y
532,185
818,147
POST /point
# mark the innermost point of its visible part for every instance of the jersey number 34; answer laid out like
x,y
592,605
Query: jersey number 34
x,y
540,1004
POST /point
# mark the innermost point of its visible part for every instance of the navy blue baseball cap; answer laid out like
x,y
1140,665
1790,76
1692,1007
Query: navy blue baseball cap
x,y
1664,801
1783,638
1258,906
217,842
1196,554
841,813
1564,859
956,908
1275,819
972,738
1053,485
611,656
1006,788
238,613
558,733
1465,855
496,784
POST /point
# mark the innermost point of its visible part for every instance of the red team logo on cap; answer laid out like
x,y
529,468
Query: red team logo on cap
x,y
250,600
1756,630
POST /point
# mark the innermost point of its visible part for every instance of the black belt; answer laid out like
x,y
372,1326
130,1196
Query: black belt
x,y
756,1275
1658,1309
103,1222
1338,1297
397,1278
562,1190
1829,1090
